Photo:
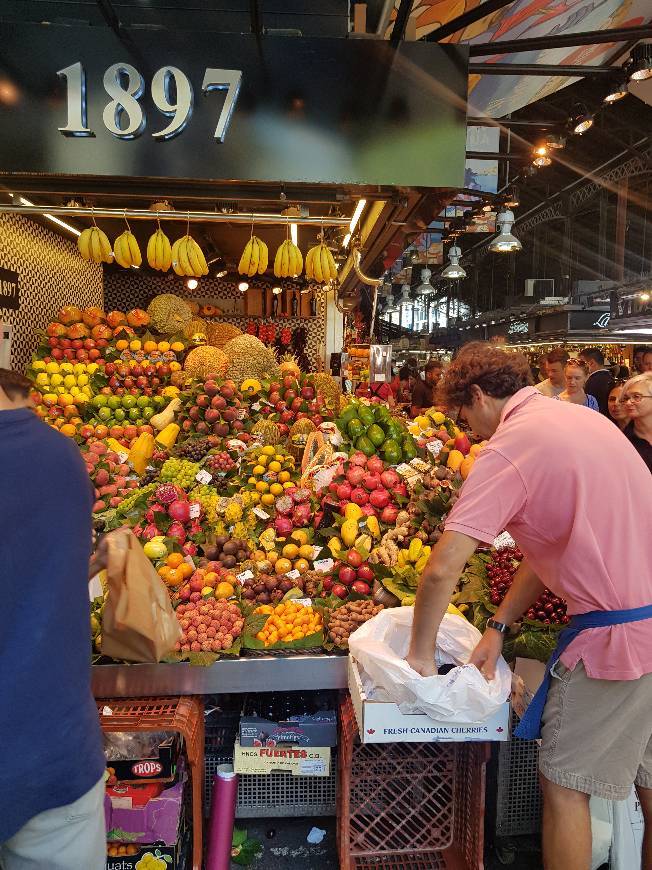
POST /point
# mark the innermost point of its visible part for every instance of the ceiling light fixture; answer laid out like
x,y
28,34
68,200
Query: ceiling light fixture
x,y
644,297
357,213
640,62
512,198
277,291
192,283
346,240
581,120
505,242
617,91
50,217
454,271
555,140
540,155
391,307
243,286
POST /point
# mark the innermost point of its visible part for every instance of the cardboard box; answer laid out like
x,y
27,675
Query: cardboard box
x,y
383,722
305,731
159,768
175,856
299,761
158,821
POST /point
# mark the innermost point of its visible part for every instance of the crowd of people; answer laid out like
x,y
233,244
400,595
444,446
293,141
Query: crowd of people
x,y
587,379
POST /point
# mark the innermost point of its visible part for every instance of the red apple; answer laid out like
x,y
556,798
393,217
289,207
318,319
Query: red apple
x,y
361,588
340,591
354,558
346,574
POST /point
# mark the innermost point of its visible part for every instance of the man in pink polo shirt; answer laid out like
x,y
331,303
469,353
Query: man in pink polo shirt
x,y
576,497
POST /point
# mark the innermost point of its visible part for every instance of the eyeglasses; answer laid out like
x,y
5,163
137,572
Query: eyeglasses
x,y
635,399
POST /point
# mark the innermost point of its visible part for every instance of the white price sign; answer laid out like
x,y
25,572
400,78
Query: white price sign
x,y
435,447
323,565
195,510
312,767
293,575
260,513
246,575
204,476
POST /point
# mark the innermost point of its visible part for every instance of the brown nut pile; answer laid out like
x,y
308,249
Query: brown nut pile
x,y
347,618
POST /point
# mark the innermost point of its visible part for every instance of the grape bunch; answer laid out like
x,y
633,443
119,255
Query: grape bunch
x,y
547,608
194,449
208,498
126,504
179,471
220,462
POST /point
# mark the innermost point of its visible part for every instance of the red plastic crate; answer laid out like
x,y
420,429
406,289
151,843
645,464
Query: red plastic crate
x,y
409,806
184,715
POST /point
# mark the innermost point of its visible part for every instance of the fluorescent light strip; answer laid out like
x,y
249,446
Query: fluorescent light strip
x,y
347,239
294,233
356,214
51,217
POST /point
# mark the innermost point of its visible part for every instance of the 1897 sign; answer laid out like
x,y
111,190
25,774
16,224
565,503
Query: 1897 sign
x,y
172,94
9,292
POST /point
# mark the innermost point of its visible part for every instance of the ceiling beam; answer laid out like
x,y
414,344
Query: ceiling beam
x,y
466,19
539,69
560,40
256,18
400,22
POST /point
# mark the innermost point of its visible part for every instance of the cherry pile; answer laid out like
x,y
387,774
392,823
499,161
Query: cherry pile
x,y
547,608
220,462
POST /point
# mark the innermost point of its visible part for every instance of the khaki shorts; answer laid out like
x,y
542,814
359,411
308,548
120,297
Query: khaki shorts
x,y
596,735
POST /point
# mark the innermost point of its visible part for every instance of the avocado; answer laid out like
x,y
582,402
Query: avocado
x,y
355,428
365,445
376,435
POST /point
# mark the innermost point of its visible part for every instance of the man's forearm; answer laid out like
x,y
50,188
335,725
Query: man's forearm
x,y
524,591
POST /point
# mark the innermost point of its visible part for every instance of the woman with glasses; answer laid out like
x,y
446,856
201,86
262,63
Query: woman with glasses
x,y
575,375
617,412
636,398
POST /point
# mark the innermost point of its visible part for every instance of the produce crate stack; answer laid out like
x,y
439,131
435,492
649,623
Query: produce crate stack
x,y
409,805
519,801
181,716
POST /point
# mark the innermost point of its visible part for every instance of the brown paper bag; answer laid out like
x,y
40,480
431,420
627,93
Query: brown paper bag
x,y
138,623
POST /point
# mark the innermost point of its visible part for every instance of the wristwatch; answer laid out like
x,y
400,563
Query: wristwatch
x,y
498,626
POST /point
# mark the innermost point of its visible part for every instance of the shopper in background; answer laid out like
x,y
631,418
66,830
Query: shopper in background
x,y
423,391
636,398
617,411
542,368
575,374
51,757
583,525
647,361
402,385
554,383
639,352
600,380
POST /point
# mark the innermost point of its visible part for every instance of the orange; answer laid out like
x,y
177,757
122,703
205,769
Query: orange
x,y
164,346
163,571
261,486
211,578
177,346
282,566
302,565
174,560
224,590
149,346
69,430
268,498
258,555
272,557
175,366
301,536
276,489
186,570
135,344
290,551
121,344
174,577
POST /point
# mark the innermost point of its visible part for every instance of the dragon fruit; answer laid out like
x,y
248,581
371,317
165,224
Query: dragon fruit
x,y
284,504
195,528
166,493
283,526
176,530
153,509
300,495
150,531
301,514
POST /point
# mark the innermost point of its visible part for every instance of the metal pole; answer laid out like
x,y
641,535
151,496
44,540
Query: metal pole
x,y
561,40
195,216
539,69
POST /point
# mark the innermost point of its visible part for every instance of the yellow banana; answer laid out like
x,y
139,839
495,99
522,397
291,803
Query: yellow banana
x,y
253,262
175,257
245,259
183,257
122,252
325,265
316,265
84,244
105,246
192,247
201,259
263,257
298,259
332,265
166,261
285,260
309,258
96,248
134,251
151,250
159,250
278,262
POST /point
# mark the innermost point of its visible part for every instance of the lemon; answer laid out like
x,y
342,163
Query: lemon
x,y
276,489
66,368
284,477
74,390
91,368
56,380
251,480
255,497
86,390
42,379
258,471
50,399
69,381
262,486
263,459
38,366
79,368
274,466
267,498
52,368
279,458
288,484
268,451
82,380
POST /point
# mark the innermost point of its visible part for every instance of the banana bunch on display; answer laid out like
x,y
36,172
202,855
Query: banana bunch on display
x,y
320,265
159,251
254,258
415,556
94,245
188,258
288,262
126,250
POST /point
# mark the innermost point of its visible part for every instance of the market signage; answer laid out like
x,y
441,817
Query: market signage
x,y
206,106
9,290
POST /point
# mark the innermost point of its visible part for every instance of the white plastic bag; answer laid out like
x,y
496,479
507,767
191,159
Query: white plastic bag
x,y
628,829
462,695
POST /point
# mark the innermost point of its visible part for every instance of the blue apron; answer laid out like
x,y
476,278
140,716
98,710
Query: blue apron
x,y
529,728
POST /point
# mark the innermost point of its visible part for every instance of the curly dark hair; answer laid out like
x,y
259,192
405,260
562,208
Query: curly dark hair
x,y
497,372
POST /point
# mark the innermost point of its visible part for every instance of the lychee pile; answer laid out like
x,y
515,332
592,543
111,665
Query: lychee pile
x,y
210,625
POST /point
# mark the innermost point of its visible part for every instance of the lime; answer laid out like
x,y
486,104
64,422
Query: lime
x,y
134,413
104,413
159,401
128,401
148,413
119,414
144,401
114,402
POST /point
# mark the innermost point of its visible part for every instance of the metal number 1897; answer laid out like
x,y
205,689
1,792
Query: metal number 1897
x,y
171,92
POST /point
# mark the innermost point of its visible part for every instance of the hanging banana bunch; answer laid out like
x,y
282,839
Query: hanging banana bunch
x,y
94,245
254,258
188,259
320,265
159,251
288,262
126,250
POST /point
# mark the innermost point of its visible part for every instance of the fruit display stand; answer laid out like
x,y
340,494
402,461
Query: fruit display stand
x,y
182,715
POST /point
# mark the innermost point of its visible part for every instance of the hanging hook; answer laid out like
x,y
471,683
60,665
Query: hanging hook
x,y
126,221
188,224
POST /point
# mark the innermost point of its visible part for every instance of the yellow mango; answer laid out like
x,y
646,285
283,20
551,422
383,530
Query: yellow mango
x,y
373,526
437,417
414,551
349,532
466,466
335,545
352,511
455,459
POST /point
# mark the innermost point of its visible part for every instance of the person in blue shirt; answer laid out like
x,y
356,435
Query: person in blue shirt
x,y
51,758
575,375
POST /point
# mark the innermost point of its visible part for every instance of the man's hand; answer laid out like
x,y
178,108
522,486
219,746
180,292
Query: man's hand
x,y
486,654
425,667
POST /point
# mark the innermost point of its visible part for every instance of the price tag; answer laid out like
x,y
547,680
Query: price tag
x,y
195,510
404,469
242,413
122,457
316,551
304,602
189,560
504,540
204,476
107,711
294,574
260,513
256,406
323,565
379,378
434,447
246,575
312,767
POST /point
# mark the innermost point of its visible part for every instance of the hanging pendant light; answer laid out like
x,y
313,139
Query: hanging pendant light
x,y
425,287
505,242
454,271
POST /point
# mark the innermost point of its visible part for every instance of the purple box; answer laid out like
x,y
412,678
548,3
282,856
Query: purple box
x,y
156,822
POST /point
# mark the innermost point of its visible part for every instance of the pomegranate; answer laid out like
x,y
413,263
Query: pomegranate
x,y
365,573
389,514
354,558
359,496
361,587
379,498
390,479
355,475
375,464
343,491
371,481
180,511
358,458
346,575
